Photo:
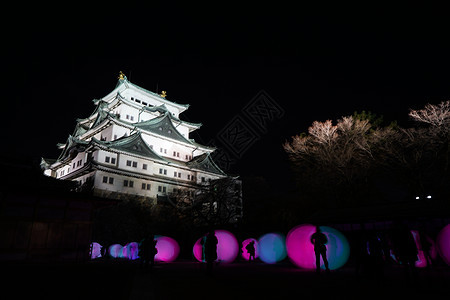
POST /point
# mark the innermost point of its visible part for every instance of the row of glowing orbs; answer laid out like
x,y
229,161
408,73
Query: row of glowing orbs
x,y
273,247
168,250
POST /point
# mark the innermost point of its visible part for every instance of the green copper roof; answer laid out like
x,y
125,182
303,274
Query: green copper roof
x,y
131,144
162,125
125,80
205,163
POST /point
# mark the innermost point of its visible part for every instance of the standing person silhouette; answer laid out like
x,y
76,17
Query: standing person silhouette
x,y
405,249
210,250
320,240
153,250
251,250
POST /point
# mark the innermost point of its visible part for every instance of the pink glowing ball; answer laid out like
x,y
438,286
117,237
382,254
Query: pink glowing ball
x,y
443,244
244,252
227,247
168,249
301,251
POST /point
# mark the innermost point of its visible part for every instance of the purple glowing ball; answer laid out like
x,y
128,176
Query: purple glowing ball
x,y
132,250
443,244
301,251
227,247
168,249
244,252
96,250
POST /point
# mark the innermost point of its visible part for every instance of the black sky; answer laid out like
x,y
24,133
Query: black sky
x,y
317,63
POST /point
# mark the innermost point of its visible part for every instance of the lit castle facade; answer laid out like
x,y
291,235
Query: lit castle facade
x,y
134,143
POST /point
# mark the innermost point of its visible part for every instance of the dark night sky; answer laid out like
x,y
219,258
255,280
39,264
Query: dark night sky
x,y
316,63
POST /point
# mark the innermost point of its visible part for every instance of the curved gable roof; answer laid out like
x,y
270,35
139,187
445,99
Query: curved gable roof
x,y
132,144
205,163
162,125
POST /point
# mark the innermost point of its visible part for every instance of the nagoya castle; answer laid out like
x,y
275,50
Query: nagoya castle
x,y
134,143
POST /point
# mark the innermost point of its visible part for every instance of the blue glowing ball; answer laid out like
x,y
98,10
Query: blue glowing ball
x,y
272,248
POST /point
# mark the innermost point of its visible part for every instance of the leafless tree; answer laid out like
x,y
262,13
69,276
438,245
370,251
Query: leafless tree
x,y
335,160
433,114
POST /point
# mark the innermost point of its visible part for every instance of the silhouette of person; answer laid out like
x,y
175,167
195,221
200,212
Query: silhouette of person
x,y
320,240
426,247
210,250
405,249
359,248
148,251
203,243
144,252
153,250
376,254
251,250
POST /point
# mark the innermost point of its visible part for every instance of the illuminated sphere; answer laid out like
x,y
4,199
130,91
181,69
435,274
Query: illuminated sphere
x,y
301,251
168,249
132,250
115,250
244,252
272,248
227,247
443,244
96,250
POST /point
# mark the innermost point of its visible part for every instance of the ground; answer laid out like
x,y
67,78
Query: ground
x,y
188,280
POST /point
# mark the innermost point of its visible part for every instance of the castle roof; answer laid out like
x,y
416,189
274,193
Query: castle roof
x,y
162,125
205,163
134,144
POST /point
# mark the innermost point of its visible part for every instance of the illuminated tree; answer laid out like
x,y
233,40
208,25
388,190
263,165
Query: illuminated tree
x,y
333,163
436,115
421,155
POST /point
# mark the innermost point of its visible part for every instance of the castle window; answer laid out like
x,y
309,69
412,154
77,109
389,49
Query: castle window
x,y
125,183
113,160
134,164
107,159
144,166
111,180
105,179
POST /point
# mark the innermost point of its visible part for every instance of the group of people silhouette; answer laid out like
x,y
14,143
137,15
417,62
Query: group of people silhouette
x,y
369,250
